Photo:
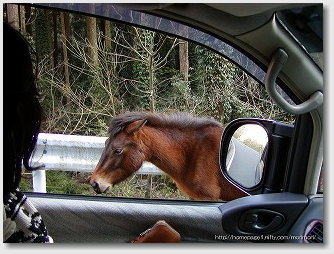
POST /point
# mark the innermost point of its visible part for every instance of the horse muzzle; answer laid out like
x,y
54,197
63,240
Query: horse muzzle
x,y
99,188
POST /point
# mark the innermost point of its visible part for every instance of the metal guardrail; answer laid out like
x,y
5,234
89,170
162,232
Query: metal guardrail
x,y
71,153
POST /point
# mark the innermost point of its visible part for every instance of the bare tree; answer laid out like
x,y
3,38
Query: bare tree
x,y
107,32
55,38
64,40
13,15
184,59
22,19
92,39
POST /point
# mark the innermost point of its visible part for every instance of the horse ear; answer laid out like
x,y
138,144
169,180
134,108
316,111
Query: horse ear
x,y
135,126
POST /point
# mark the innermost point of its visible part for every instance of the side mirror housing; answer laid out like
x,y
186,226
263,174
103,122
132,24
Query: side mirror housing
x,y
254,154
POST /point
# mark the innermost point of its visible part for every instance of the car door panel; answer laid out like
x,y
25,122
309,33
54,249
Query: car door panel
x,y
74,219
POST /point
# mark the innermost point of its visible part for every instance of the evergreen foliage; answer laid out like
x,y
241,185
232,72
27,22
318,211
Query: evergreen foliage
x,y
139,71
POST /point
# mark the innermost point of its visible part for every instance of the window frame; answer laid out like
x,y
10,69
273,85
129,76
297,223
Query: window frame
x,y
246,54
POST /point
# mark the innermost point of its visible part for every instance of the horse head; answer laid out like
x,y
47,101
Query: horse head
x,y
124,153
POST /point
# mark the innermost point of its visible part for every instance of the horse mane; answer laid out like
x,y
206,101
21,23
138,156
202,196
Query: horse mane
x,y
178,120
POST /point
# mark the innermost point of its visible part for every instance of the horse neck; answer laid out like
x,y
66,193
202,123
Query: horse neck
x,y
167,149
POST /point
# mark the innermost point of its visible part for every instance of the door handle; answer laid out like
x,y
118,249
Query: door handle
x,y
260,221
269,227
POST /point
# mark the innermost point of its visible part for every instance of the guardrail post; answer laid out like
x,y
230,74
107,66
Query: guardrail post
x,y
148,191
39,181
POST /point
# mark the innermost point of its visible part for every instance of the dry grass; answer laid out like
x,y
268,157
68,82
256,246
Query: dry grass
x,y
162,186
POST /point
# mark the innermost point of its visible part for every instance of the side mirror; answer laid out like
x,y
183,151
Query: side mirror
x,y
249,147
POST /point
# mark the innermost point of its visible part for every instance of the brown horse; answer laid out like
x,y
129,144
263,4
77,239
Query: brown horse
x,y
184,147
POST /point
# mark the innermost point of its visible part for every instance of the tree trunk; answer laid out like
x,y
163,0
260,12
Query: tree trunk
x,y
184,59
55,38
68,28
151,83
92,40
22,19
65,56
107,33
13,15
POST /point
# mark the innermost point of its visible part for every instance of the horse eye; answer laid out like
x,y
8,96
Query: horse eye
x,y
118,151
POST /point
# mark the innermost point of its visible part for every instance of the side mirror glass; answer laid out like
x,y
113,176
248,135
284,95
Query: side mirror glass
x,y
246,156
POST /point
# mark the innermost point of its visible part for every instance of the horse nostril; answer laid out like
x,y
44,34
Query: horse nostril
x,y
95,185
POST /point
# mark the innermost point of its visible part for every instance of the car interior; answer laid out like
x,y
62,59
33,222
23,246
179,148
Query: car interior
x,y
277,44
